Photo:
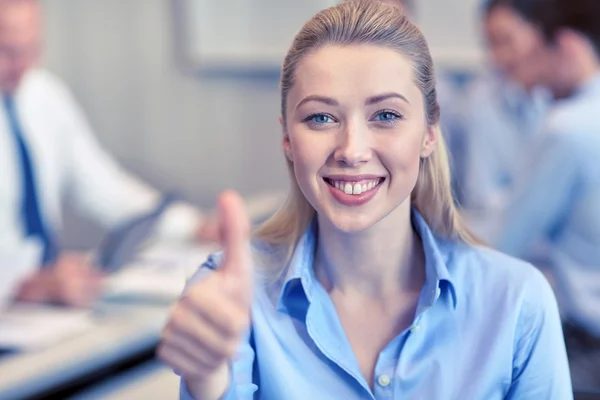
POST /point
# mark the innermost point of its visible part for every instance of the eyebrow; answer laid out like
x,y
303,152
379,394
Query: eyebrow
x,y
382,97
370,101
321,99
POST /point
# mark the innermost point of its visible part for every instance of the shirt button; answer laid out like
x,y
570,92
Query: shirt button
x,y
384,380
415,328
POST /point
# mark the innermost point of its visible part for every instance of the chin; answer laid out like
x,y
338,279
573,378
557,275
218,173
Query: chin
x,y
347,222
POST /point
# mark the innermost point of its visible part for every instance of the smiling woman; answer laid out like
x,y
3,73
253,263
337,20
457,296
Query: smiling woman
x,y
372,288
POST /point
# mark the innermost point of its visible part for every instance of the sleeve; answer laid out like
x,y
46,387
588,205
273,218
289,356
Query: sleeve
x,y
543,197
100,188
540,366
241,370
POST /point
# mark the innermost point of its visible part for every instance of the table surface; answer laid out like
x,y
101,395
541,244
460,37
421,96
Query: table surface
x,y
129,322
123,331
151,380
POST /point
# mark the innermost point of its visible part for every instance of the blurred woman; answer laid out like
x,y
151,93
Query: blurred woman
x,y
367,285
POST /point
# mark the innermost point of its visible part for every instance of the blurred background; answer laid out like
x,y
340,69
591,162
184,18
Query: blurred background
x,y
183,102
171,104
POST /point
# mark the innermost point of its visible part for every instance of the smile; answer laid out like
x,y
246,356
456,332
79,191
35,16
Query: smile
x,y
353,191
354,187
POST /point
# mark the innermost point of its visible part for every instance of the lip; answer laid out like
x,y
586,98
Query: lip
x,y
353,178
353,200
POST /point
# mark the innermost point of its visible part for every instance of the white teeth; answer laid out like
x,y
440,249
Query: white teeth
x,y
355,188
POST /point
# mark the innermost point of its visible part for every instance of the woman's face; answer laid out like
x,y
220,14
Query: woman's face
x,y
513,42
355,133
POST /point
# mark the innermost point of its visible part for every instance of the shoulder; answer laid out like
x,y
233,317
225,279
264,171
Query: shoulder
x,y
570,134
487,277
40,79
265,258
42,87
574,116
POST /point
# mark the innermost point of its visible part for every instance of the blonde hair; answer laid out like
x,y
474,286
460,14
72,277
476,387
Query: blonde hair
x,y
371,22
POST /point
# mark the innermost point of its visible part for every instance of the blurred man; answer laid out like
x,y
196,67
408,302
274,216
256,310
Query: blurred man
x,y
503,113
558,198
47,153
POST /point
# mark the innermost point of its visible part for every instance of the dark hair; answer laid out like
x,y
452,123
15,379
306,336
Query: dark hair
x,y
551,16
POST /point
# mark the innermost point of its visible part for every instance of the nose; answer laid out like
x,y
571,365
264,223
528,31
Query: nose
x,y
354,144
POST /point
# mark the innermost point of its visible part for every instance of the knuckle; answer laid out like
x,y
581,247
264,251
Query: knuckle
x,y
213,363
221,353
178,318
231,325
163,354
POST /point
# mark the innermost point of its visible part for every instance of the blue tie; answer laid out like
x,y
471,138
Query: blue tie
x,y
30,208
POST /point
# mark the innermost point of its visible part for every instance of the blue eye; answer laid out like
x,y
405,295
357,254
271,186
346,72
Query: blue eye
x,y
319,119
387,116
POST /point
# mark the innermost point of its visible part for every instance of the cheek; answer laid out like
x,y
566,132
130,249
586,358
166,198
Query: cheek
x,y
402,157
308,157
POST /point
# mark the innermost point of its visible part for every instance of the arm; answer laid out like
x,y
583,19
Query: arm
x,y
71,281
540,366
100,188
211,321
543,197
237,380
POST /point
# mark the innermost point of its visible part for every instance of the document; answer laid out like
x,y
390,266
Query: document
x,y
26,327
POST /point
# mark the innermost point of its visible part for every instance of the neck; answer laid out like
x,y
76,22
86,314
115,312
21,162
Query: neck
x,y
587,68
588,71
379,262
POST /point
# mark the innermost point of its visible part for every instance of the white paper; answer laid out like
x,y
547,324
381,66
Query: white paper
x,y
159,272
34,327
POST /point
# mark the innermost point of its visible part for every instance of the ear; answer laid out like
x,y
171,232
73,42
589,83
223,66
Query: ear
x,y
286,143
429,141
569,42
287,147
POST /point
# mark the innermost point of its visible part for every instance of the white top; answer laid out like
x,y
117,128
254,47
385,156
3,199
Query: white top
x,y
68,162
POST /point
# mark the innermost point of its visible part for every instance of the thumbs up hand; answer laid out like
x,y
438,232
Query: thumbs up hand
x,y
206,325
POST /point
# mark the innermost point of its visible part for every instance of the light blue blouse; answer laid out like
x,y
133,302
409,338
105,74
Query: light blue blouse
x,y
486,327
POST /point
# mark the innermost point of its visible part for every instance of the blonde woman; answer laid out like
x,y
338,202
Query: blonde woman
x,y
366,284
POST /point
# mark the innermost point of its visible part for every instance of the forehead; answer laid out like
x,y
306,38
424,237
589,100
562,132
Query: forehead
x,y
354,71
18,17
502,17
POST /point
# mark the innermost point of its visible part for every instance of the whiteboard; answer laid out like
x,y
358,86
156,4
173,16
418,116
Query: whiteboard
x,y
256,34
246,34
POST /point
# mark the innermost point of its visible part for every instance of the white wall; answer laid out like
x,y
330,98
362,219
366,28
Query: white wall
x,y
177,131
199,136
453,31
254,38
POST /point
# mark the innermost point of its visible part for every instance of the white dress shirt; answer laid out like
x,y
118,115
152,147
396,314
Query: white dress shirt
x,y
68,163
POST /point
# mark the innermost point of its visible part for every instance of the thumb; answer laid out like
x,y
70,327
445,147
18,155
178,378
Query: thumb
x,y
234,231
